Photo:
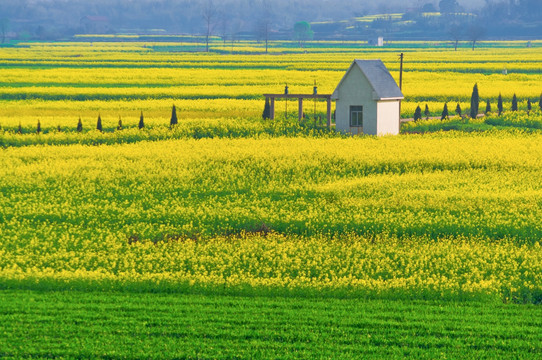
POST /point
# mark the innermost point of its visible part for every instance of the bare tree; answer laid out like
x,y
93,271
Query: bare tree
x,y
302,32
224,25
475,33
235,29
455,32
265,22
209,14
266,25
3,29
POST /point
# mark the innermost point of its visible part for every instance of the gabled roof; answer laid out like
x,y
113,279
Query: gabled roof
x,y
383,84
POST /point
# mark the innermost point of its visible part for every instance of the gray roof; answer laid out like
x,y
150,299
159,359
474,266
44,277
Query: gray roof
x,y
379,77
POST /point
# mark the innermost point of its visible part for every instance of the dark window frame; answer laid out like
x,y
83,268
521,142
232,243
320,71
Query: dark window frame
x,y
358,110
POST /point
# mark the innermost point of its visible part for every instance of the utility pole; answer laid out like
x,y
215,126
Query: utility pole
x,y
314,92
401,56
286,93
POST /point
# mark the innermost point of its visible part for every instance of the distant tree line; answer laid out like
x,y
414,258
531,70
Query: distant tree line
x,y
266,20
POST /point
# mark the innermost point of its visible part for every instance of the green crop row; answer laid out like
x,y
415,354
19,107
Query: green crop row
x,y
186,129
95,325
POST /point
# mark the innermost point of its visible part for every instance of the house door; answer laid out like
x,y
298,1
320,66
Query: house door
x,y
356,119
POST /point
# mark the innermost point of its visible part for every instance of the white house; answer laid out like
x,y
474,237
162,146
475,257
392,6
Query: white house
x,y
367,100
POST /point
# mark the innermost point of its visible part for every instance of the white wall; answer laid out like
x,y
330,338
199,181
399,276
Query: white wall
x,y
388,117
355,90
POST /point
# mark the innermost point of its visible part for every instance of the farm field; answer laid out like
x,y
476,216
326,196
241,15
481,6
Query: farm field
x,y
227,236
149,211
159,326
59,82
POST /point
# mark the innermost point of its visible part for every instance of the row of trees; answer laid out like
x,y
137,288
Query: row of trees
x,y
474,108
172,122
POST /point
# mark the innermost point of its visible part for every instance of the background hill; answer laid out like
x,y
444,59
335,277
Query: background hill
x,y
260,19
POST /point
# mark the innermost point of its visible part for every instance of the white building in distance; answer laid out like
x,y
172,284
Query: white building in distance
x,y
367,100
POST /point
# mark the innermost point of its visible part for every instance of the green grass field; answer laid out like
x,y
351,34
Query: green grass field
x,y
96,325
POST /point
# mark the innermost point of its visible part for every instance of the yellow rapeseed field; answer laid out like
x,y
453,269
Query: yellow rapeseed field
x,y
445,214
59,82
226,202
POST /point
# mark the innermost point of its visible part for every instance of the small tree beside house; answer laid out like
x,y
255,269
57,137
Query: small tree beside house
x,y
99,124
418,113
444,112
266,110
173,121
141,124
458,109
474,102
514,103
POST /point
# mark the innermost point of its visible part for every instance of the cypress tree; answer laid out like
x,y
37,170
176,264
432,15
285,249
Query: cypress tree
x,y
38,130
141,124
266,110
418,113
540,102
488,107
119,126
426,112
458,109
474,102
529,105
99,124
20,129
58,129
499,104
444,112
79,125
514,103
173,120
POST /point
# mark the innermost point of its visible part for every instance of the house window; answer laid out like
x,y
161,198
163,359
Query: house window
x,y
356,116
